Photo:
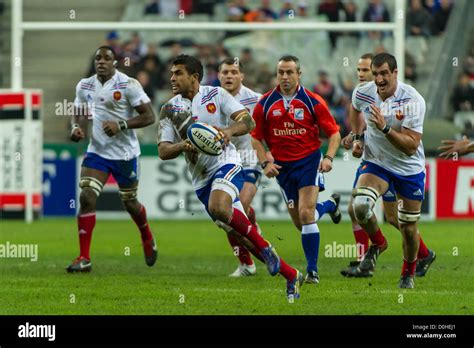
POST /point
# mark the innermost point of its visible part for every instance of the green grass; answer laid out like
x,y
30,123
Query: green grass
x,y
195,260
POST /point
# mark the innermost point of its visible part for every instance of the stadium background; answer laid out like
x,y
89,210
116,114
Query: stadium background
x,y
440,64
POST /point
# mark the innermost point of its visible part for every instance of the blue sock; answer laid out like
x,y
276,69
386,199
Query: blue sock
x,y
310,241
323,208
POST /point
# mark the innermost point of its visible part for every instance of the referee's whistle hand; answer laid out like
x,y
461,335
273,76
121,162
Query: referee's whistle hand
x,y
271,170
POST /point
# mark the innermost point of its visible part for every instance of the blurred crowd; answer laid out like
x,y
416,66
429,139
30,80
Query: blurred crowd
x,y
145,61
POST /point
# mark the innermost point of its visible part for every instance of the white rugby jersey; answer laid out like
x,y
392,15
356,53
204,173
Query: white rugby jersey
x,y
406,108
243,143
211,105
113,101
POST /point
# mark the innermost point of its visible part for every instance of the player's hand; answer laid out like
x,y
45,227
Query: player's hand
x,y
454,147
271,170
357,148
187,146
325,165
224,134
377,118
77,134
110,128
346,142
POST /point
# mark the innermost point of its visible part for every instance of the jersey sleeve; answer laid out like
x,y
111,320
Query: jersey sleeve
x,y
414,112
324,119
356,103
135,93
79,100
228,103
165,129
259,119
251,107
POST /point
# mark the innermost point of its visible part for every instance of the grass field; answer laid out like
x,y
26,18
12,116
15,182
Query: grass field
x,y
194,260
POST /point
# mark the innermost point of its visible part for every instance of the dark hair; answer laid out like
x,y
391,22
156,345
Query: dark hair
x,y
367,56
108,48
191,64
230,61
290,58
382,58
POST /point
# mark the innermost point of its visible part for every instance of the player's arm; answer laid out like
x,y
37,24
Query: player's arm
x,y
168,145
79,120
407,140
358,126
270,169
328,124
145,117
243,124
168,150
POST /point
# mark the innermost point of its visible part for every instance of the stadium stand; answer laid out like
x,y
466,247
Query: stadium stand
x,y
71,49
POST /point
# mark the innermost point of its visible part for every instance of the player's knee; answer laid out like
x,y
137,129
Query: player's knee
x,y
306,215
132,206
87,200
363,201
220,211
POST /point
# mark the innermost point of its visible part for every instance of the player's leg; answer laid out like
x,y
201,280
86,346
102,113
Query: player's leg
x,y
410,191
94,174
361,237
408,214
425,256
310,237
246,265
224,191
365,195
126,174
330,206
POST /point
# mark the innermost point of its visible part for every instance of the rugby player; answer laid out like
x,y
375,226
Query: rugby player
x,y
111,98
217,180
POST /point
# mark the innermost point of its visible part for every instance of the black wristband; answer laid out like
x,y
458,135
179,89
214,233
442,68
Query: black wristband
x,y
356,137
386,129
122,124
329,157
264,164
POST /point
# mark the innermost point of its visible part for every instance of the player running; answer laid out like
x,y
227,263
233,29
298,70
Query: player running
x,y
288,118
217,180
425,256
231,78
111,98
393,154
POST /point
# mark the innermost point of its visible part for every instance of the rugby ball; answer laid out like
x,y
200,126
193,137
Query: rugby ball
x,y
202,136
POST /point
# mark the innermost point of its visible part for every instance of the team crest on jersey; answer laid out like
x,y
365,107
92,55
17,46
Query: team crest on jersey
x,y
117,95
299,114
399,116
277,112
211,108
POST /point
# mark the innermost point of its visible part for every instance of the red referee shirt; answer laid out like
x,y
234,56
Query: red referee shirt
x,y
292,133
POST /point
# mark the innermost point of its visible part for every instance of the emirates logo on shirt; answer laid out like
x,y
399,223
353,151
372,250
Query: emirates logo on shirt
x,y
211,108
117,95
